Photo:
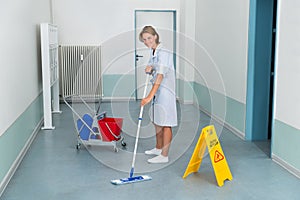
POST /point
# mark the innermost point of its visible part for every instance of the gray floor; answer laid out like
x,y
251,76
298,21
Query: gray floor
x,y
54,169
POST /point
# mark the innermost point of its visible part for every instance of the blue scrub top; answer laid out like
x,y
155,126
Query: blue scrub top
x,y
164,111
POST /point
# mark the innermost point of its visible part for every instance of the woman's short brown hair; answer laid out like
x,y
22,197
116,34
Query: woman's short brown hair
x,y
150,30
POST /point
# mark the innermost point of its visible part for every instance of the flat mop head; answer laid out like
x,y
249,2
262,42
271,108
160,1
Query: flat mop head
x,y
131,180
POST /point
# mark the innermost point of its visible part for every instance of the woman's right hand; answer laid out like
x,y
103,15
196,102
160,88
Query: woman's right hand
x,y
145,101
148,69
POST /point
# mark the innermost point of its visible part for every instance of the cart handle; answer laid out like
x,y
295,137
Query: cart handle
x,y
82,100
101,115
79,117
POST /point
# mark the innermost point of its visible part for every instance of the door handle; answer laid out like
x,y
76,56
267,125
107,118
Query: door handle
x,y
137,57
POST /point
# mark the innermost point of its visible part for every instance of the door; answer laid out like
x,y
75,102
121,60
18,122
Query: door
x,y
164,22
260,69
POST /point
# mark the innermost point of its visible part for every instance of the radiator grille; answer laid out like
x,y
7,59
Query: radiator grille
x,y
80,71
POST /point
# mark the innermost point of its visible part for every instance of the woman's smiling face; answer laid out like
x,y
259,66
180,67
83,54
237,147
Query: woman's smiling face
x,y
149,40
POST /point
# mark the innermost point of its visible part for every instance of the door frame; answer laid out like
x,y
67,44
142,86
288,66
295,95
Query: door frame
x,y
259,75
135,36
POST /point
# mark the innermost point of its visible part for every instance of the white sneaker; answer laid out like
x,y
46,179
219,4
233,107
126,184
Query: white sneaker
x,y
159,159
154,151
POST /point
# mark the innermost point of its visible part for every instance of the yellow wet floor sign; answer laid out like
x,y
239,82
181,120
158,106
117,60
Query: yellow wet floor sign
x,y
209,138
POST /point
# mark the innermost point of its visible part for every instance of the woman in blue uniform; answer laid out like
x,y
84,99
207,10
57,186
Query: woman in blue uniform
x,y
162,94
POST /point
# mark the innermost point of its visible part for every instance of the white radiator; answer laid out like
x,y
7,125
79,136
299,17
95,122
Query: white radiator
x,y
80,71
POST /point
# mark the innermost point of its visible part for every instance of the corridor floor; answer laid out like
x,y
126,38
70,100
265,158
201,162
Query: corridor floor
x,y
54,169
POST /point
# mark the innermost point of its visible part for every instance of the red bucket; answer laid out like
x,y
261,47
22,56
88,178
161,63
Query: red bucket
x,y
110,128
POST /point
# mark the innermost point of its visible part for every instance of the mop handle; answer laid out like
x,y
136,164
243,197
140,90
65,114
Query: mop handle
x,y
138,129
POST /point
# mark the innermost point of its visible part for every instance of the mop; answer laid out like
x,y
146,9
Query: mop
x,y
131,178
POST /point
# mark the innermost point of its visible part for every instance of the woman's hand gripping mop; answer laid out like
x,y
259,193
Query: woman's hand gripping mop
x,y
131,178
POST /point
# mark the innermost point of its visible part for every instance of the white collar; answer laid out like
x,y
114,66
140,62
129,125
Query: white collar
x,y
159,46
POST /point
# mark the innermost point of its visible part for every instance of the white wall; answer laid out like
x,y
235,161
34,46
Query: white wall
x,y
94,22
288,64
186,51
186,38
109,23
20,77
222,36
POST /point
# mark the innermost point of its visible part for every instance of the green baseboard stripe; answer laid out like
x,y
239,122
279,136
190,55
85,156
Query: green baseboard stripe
x,y
285,146
236,114
185,91
118,85
17,139
233,110
286,165
229,110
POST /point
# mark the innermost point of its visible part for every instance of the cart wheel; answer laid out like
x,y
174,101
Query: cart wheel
x,y
116,149
123,143
78,146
